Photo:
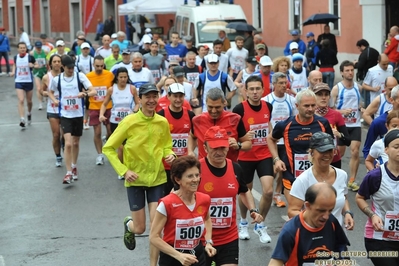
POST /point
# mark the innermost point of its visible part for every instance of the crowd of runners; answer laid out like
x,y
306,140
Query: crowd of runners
x,y
164,119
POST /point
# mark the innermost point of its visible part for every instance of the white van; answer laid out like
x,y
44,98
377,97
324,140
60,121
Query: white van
x,y
204,22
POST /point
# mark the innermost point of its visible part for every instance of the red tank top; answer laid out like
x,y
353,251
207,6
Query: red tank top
x,y
228,120
179,129
223,191
184,228
259,123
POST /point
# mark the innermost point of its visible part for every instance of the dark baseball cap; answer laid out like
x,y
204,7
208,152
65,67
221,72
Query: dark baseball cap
x,y
147,88
252,60
178,71
322,142
321,87
38,44
43,36
67,61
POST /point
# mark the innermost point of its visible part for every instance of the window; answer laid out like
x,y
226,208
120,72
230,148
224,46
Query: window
x,y
335,9
257,11
295,14
184,31
178,24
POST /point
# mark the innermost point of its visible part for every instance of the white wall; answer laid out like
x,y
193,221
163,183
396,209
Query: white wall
x,y
373,20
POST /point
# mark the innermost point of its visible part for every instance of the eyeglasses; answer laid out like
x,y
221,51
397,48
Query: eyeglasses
x,y
102,66
81,39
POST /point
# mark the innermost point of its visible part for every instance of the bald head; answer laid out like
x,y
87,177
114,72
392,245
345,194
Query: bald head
x,y
321,190
383,61
394,30
106,40
257,38
315,77
390,82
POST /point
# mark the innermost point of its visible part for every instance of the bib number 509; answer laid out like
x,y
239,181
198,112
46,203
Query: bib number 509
x,y
190,233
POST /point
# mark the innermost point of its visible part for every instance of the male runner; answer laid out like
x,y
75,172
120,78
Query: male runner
x,y
40,56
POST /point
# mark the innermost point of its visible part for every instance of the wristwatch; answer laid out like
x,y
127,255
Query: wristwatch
x,y
239,145
351,213
209,242
253,210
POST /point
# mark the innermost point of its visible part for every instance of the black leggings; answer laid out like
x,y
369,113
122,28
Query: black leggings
x,y
382,245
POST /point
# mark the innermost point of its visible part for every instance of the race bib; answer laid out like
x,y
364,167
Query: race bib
x,y
41,62
173,57
101,92
121,113
188,233
156,75
351,118
260,134
301,163
180,143
391,226
70,103
221,212
191,77
23,72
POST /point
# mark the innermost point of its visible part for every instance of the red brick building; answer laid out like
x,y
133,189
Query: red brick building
x,y
60,17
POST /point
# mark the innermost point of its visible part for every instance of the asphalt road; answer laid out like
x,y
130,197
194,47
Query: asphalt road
x,y
44,222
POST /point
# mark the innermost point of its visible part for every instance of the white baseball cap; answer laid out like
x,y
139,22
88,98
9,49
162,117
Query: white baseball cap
x,y
147,30
176,88
85,45
114,36
266,61
212,58
59,43
294,45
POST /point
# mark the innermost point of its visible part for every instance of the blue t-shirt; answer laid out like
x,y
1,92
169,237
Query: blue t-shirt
x,y
122,45
299,243
179,51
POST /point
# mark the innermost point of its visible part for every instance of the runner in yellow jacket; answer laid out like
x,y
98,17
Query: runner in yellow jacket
x,y
148,141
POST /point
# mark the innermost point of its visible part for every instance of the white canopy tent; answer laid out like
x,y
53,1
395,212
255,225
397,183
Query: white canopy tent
x,y
151,7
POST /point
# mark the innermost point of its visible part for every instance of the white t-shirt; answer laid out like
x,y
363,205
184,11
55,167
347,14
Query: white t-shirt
x,y
85,64
140,78
376,76
306,179
161,208
377,151
103,51
121,64
71,105
237,58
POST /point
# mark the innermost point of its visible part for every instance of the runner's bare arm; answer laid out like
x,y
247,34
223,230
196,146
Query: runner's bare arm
x,y
104,104
274,262
371,110
43,89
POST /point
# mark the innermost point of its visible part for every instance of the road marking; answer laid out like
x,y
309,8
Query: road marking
x,y
17,125
285,217
2,263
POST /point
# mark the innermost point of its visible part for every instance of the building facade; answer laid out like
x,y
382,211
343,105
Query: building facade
x,y
368,19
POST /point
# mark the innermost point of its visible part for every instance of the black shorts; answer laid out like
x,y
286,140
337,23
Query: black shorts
x,y
137,194
262,167
166,260
282,152
52,115
72,125
226,254
87,102
382,245
113,126
26,86
355,133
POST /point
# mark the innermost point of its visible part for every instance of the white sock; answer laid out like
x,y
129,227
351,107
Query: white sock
x,y
23,118
69,172
127,225
262,224
243,221
73,165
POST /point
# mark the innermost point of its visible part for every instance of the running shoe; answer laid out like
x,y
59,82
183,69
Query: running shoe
x,y
2,74
67,179
243,231
121,177
75,174
262,233
100,160
22,123
40,106
353,186
128,237
29,119
278,201
86,125
58,161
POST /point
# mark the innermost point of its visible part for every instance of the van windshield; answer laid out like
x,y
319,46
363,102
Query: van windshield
x,y
208,30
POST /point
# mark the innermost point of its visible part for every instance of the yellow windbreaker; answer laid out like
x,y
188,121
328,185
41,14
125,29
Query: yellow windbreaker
x,y
148,140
